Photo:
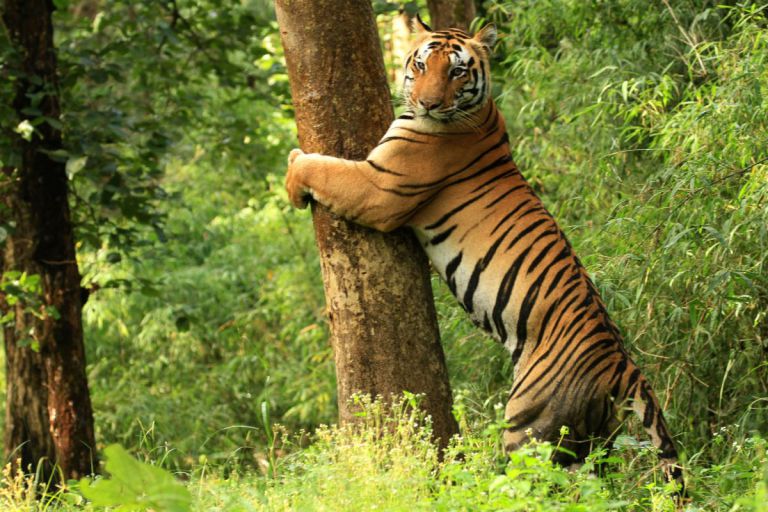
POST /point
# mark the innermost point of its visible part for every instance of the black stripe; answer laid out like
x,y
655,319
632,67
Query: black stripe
x,y
421,204
480,266
396,137
543,254
433,134
529,301
551,310
589,382
497,163
442,236
450,270
495,112
383,169
578,372
527,231
442,220
505,292
487,323
650,407
504,138
519,207
505,194
525,313
507,286
495,126
552,364
559,275
498,177
631,383
617,374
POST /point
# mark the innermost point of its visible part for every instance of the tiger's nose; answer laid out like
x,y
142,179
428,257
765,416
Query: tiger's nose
x,y
430,103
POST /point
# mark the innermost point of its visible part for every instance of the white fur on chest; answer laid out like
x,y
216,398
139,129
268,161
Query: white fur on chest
x,y
484,297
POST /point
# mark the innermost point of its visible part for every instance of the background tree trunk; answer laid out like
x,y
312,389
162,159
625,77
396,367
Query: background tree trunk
x,y
381,312
48,409
451,13
400,43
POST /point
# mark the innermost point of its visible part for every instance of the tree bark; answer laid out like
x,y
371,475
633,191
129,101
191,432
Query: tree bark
x,y
400,43
451,13
48,412
381,312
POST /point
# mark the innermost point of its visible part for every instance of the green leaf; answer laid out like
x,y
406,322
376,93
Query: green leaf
x,y
135,486
75,165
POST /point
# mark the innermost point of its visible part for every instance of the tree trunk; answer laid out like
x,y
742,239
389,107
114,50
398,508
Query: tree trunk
x,y
381,312
400,43
451,13
48,409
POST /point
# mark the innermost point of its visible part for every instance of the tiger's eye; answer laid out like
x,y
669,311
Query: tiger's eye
x,y
458,72
420,66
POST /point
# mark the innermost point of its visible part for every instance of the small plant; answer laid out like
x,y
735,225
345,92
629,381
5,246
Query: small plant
x,y
17,490
135,486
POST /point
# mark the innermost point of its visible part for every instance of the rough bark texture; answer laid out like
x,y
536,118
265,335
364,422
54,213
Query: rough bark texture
x,y
451,13
383,323
48,409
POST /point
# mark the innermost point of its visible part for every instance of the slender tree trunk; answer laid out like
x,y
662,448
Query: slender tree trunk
x,y
400,43
451,13
383,323
48,409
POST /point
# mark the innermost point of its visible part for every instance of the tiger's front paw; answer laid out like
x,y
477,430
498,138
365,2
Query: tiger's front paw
x,y
298,193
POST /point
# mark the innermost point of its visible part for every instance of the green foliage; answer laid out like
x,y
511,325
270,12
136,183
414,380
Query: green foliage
x,y
134,486
22,293
386,462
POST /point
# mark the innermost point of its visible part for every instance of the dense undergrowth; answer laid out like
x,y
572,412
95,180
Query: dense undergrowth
x,y
388,462
644,128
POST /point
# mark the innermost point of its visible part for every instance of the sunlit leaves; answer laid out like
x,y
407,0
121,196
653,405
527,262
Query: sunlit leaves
x,y
135,486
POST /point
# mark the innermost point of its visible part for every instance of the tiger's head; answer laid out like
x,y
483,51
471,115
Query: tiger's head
x,y
447,74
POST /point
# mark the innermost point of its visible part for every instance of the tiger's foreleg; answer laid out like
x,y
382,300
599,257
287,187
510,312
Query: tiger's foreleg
x,y
351,189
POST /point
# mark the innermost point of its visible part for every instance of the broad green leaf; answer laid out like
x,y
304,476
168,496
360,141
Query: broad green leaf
x,y
134,485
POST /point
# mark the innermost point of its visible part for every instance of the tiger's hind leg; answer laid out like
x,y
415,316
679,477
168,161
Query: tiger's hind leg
x,y
588,425
543,422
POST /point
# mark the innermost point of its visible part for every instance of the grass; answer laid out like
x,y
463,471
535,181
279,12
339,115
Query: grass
x,y
387,462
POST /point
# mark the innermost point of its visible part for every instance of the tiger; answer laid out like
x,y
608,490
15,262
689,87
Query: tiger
x,y
444,169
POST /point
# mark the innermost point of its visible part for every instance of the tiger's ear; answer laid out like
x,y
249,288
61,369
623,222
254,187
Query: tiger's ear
x,y
486,36
419,27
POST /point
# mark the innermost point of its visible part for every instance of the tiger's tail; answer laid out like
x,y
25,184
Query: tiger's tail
x,y
644,403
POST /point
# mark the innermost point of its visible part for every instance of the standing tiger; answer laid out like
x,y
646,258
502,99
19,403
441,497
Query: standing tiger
x,y
444,169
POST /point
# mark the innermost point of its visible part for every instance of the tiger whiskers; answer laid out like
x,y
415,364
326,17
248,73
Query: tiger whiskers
x,y
466,120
